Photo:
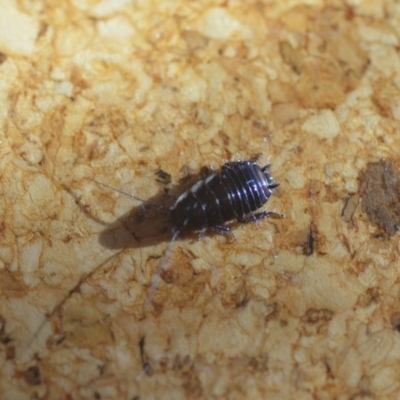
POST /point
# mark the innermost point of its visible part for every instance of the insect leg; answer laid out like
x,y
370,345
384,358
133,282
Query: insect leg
x,y
261,215
201,234
161,268
265,168
207,171
169,195
224,230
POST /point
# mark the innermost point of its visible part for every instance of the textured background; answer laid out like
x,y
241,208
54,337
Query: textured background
x,y
302,307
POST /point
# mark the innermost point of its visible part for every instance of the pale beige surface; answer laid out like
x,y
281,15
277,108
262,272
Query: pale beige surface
x,y
116,90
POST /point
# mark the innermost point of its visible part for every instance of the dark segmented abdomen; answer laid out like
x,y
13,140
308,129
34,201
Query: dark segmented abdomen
x,y
249,186
240,188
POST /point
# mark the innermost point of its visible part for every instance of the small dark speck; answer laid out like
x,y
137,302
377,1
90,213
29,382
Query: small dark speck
x,y
380,194
3,336
5,340
32,376
395,320
163,177
59,339
3,58
308,246
147,368
2,325
145,364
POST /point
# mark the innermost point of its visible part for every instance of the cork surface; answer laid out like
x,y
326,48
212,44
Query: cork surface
x,y
132,92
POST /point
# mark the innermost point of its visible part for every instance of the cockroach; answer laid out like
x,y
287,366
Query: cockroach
x,y
234,193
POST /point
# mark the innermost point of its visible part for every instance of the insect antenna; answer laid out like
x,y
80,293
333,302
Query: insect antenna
x,y
129,195
160,269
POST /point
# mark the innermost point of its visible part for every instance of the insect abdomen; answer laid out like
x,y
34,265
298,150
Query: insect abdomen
x,y
240,188
250,186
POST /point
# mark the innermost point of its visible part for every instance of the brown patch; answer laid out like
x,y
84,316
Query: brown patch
x,y
5,340
395,321
12,285
192,384
311,240
317,315
380,194
259,363
181,273
371,295
273,312
315,321
32,376
10,353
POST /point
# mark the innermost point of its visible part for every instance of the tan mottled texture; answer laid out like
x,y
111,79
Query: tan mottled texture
x,y
305,307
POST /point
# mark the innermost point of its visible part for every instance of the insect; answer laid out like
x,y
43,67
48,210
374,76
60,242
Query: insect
x,y
235,192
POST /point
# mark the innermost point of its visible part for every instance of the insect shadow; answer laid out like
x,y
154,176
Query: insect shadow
x,y
149,222
208,200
